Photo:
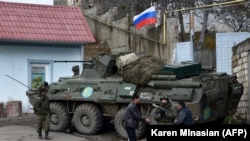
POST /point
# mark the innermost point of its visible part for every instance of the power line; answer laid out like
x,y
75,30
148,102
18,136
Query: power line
x,y
198,7
223,4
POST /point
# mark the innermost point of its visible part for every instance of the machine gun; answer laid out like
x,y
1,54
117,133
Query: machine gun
x,y
161,109
97,67
75,68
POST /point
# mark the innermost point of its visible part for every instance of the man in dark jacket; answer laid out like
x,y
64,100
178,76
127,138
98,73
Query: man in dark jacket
x,y
184,115
132,117
42,110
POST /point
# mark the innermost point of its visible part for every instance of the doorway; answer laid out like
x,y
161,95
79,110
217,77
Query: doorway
x,y
39,71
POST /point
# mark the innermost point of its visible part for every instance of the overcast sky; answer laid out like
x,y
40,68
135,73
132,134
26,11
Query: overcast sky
x,y
47,2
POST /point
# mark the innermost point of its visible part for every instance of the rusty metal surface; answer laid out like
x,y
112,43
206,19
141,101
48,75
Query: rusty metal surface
x,y
13,108
2,110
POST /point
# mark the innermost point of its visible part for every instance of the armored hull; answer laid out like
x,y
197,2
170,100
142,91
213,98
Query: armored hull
x,y
86,100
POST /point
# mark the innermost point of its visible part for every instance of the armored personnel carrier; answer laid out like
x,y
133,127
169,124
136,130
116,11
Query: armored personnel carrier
x,y
87,98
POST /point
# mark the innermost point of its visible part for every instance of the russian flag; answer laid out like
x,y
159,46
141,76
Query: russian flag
x,y
146,17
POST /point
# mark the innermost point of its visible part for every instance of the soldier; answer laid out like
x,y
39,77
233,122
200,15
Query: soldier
x,y
75,70
42,110
165,113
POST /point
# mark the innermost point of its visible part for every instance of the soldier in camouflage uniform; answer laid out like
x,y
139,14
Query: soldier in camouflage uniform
x,y
166,113
42,110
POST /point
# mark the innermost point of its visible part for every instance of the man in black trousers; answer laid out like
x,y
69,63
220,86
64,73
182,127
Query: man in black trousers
x,y
133,116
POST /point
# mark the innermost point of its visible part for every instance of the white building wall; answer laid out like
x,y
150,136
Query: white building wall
x,y
224,44
14,62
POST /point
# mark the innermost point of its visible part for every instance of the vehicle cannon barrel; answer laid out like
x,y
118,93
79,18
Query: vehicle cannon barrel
x,y
175,84
73,61
163,77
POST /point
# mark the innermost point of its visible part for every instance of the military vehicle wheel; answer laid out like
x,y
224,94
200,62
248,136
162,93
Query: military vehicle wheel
x,y
88,119
59,118
120,125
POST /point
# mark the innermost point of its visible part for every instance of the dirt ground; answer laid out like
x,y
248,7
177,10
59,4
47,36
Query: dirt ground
x,y
23,128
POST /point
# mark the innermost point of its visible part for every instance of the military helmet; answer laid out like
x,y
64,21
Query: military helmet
x,y
164,97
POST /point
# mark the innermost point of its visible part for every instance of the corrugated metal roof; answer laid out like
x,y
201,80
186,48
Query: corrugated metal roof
x,y
46,23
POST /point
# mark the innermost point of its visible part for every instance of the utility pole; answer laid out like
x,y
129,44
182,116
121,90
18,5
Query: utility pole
x,y
172,38
191,31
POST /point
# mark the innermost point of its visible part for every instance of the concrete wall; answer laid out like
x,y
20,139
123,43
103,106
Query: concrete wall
x,y
14,62
121,35
117,36
62,2
206,57
240,64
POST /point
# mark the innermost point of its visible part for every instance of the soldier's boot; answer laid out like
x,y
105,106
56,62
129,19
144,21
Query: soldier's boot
x,y
40,135
47,135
